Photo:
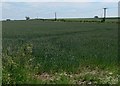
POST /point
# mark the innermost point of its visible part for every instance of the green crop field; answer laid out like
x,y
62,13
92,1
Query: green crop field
x,y
52,52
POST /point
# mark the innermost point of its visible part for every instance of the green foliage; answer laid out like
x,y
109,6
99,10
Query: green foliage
x,y
17,67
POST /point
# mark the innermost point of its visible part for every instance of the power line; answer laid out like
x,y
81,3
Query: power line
x,y
89,11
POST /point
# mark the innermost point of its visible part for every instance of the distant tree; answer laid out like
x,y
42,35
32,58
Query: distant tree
x,y
96,17
27,18
103,20
8,20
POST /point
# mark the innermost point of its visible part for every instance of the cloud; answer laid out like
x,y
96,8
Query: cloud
x,y
0,11
48,0
60,0
18,10
110,0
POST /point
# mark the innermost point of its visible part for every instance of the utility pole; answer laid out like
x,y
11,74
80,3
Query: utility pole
x,y
55,16
104,14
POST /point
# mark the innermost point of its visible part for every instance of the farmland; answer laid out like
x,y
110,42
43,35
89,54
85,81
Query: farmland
x,y
49,52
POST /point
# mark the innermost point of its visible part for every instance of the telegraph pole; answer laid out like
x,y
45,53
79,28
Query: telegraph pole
x,y
55,16
104,14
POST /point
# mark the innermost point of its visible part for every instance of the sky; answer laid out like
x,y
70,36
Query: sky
x,y
18,9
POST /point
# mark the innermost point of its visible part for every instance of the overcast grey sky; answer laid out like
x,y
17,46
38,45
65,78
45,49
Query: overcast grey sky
x,y
18,10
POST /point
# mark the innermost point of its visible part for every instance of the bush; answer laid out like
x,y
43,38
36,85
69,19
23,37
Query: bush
x,y
17,67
